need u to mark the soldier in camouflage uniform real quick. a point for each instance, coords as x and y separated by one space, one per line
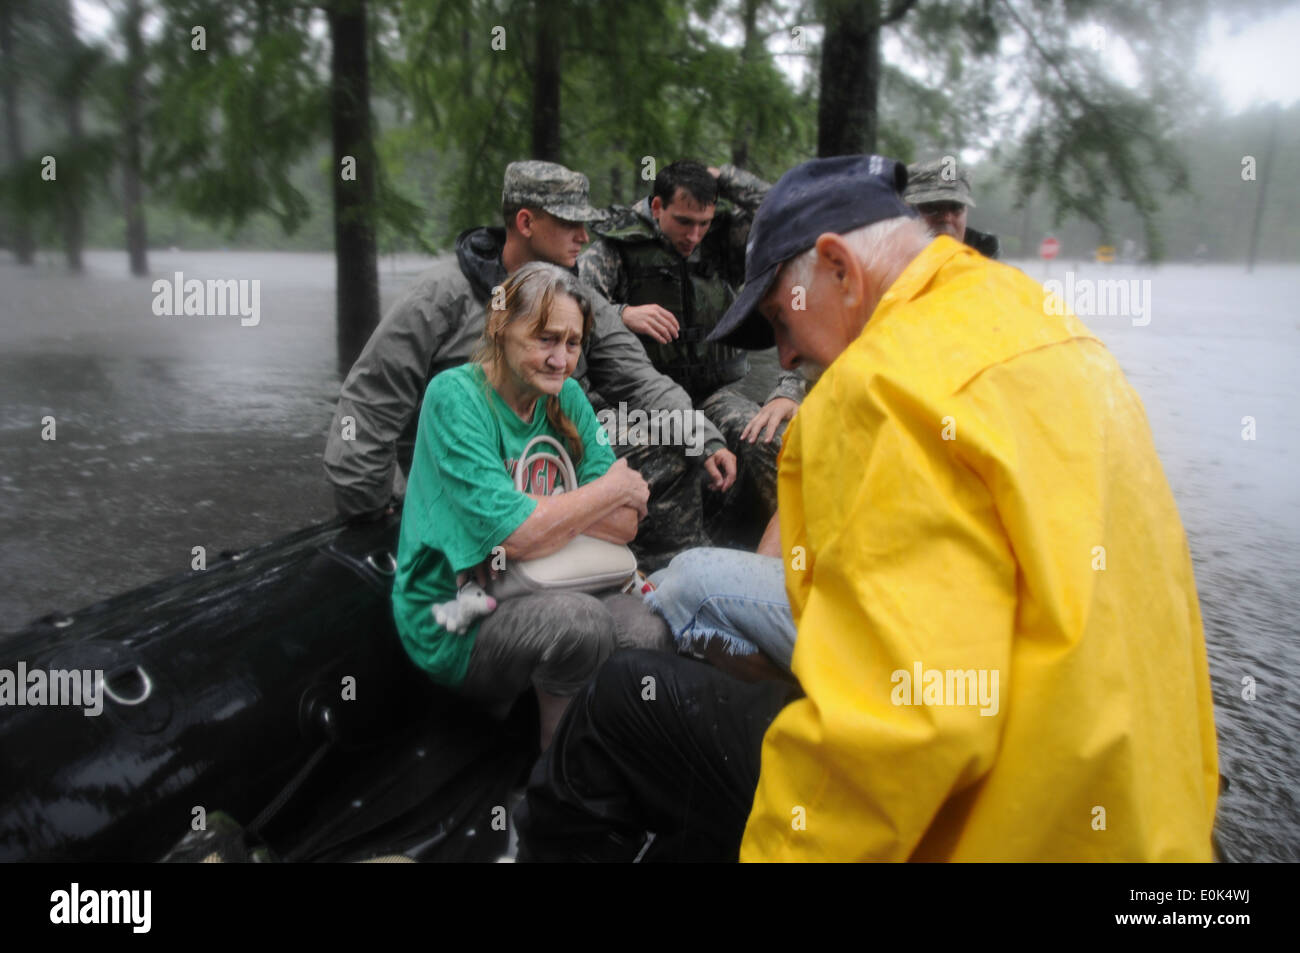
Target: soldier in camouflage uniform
439 321
940 191
671 263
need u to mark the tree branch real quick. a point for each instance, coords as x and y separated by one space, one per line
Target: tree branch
897 11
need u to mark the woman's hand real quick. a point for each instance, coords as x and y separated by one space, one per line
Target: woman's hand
484 574
630 485
612 504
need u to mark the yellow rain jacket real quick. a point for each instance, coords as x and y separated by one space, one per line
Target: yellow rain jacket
998 629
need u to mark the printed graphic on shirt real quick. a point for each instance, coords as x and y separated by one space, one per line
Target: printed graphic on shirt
543 475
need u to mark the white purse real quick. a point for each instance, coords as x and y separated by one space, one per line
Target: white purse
586 564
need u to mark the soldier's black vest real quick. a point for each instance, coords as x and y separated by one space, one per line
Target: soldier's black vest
697 294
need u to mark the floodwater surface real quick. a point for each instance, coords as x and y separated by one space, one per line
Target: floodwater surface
177 432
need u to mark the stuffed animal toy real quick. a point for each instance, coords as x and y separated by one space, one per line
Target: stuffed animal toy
458 615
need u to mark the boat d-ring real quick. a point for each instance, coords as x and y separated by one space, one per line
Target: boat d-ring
144 693
385 564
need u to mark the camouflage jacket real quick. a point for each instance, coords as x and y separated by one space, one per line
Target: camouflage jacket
986 243
602 265
438 323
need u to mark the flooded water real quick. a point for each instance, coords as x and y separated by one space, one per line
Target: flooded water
176 432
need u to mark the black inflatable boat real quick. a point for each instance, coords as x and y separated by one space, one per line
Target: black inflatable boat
266 696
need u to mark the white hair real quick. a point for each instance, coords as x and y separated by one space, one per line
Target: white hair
870 244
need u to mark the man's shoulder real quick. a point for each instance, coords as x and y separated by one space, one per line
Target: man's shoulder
600 266
442 277
971 314
624 223
601 250
441 289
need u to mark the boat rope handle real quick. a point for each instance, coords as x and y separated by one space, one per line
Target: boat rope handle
144 694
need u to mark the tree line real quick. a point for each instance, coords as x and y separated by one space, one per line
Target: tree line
409 110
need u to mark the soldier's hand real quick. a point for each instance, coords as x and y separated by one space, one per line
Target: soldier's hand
722 470
652 321
769 417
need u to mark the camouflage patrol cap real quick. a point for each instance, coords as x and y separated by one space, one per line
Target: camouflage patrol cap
549 187
939 180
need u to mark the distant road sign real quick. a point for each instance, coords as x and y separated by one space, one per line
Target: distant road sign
1049 248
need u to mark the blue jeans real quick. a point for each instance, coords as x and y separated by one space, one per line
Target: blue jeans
731 595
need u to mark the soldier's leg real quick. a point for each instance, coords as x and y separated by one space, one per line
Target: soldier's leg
676 510
739 516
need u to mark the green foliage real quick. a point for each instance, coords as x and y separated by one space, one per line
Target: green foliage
647 79
228 123
238 135
50 67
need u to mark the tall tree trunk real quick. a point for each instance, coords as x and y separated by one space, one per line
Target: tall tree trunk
1265 167
72 178
20 225
356 264
616 184
132 148
546 82
850 78
748 53
1026 233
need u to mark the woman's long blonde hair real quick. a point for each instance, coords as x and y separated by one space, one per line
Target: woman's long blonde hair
528 295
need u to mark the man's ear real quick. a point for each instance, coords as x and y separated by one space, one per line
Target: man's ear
656 205
834 253
524 222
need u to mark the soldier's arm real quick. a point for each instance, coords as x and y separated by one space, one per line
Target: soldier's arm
619 369
743 189
791 385
377 400
601 267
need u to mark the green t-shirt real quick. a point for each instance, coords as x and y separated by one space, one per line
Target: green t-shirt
461 501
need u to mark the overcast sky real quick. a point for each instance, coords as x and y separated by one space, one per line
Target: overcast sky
1260 63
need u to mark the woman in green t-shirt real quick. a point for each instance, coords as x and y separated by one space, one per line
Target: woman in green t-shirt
461 504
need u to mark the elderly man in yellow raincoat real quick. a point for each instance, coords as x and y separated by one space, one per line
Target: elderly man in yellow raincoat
998 635
998 628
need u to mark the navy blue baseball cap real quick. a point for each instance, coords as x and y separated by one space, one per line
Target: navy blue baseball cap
822 195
